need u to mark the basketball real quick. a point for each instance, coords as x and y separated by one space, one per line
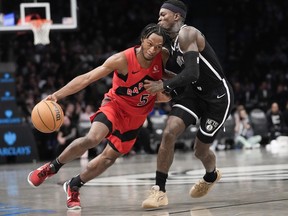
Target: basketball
47 116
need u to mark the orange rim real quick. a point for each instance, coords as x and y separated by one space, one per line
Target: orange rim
39 22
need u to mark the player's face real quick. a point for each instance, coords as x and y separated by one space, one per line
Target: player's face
166 19
151 46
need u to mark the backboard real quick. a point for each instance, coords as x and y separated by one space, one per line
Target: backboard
15 14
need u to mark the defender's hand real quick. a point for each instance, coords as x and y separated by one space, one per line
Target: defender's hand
163 97
153 86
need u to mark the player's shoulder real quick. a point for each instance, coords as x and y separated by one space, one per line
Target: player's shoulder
165 54
118 56
165 51
188 30
189 33
117 59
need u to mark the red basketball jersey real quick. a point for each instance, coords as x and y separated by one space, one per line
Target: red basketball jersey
129 90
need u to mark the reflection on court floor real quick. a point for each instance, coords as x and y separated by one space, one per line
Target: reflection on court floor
254 183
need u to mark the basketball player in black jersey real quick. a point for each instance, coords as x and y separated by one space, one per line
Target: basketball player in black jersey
207 99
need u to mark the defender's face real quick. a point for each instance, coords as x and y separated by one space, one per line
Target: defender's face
151 46
166 19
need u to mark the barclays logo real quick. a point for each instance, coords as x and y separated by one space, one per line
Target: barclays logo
10 138
8 113
8 118
7 78
12 148
7 96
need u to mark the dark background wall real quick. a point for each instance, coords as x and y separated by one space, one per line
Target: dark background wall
248 35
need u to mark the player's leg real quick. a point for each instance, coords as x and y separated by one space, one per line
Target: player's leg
173 129
157 198
119 143
210 124
93 169
78 147
215 112
180 118
99 164
203 152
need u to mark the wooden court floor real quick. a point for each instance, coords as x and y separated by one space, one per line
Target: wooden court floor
254 183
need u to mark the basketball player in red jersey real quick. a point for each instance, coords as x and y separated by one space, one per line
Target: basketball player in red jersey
121 115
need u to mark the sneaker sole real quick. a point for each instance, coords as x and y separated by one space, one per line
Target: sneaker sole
154 207
28 179
65 187
74 207
151 207
217 180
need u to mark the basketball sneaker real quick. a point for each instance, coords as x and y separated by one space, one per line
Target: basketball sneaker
201 188
38 176
156 198
73 196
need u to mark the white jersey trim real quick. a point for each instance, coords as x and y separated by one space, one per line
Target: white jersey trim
210 66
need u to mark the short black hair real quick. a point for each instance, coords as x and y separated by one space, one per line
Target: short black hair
154 28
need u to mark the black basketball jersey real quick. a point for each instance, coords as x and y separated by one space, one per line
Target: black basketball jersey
211 72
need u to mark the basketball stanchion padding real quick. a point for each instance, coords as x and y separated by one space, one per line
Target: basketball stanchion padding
47 116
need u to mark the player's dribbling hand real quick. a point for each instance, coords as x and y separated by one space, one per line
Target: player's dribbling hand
51 97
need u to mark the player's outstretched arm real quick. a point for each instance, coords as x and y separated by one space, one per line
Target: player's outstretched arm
80 82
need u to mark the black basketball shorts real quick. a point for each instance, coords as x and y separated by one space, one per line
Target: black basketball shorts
210 110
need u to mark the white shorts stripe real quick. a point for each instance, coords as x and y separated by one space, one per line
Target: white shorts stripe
187 110
225 115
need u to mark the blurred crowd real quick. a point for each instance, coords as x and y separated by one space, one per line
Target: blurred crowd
257 46
250 37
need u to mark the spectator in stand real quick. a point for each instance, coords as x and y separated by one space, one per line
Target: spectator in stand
276 121
285 116
263 95
84 116
244 133
280 95
239 93
66 134
72 112
84 122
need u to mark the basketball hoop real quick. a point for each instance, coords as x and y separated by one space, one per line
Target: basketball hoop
41 30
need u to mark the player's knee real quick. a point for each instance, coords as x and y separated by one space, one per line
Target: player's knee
91 141
107 161
169 135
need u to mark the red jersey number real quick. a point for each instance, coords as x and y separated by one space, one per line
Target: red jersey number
143 100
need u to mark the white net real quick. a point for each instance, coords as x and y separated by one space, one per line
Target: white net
41 30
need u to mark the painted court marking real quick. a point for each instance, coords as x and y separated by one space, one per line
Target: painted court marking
10 210
229 174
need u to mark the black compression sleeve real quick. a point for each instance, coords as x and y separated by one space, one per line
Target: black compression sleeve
188 75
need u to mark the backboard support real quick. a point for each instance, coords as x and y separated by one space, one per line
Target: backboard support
47 10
